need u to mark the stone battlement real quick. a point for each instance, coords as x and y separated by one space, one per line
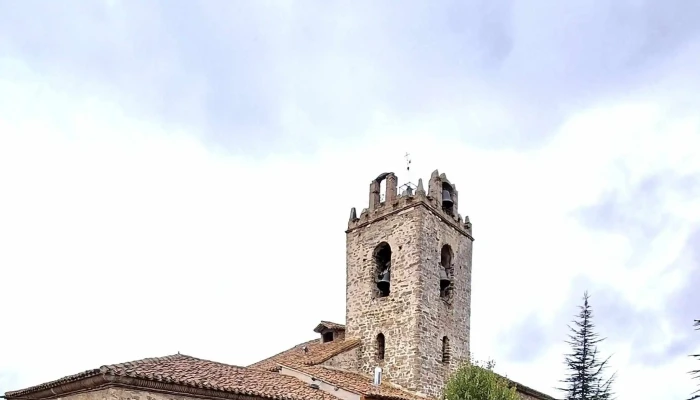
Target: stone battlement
438 188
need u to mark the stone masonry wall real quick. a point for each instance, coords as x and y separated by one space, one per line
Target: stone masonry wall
439 318
394 316
346 360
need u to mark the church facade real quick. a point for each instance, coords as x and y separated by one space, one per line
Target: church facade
408 306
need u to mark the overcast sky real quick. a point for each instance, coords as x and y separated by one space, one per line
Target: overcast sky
178 175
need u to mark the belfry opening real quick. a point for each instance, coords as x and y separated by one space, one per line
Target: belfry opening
382 259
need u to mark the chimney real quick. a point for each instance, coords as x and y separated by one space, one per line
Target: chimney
377 376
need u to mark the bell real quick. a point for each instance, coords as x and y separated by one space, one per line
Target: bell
446 199
444 280
383 280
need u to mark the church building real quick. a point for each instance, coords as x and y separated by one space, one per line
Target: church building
408 307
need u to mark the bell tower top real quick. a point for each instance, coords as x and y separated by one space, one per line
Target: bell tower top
408 292
441 198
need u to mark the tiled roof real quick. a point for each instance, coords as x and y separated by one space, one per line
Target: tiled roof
58 382
316 353
329 325
202 374
213 379
358 383
271 363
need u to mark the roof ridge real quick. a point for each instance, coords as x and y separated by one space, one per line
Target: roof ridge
308 342
331 322
139 361
344 346
230 365
334 326
170 357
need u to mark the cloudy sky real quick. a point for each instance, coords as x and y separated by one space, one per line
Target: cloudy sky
177 175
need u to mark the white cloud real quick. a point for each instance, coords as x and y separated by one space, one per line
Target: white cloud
124 238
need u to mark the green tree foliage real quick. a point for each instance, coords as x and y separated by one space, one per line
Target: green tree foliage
696 373
585 379
477 381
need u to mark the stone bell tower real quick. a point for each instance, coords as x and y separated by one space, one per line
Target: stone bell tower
409 260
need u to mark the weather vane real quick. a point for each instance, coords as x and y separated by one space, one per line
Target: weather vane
408 187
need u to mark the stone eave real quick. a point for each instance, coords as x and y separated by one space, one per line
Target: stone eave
531 392
103 381
68 384
327 325
413 204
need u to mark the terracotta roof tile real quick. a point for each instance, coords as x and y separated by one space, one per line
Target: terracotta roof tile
315 353
359 383
54 383
197 373
271 364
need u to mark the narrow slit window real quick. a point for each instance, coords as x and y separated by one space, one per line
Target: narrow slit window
381 346
446 271
445 350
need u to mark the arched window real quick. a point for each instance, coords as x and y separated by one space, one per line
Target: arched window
445 350
382 260
382 190
381 346
446 271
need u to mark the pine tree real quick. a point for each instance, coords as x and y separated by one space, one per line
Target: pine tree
585 380
696 373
